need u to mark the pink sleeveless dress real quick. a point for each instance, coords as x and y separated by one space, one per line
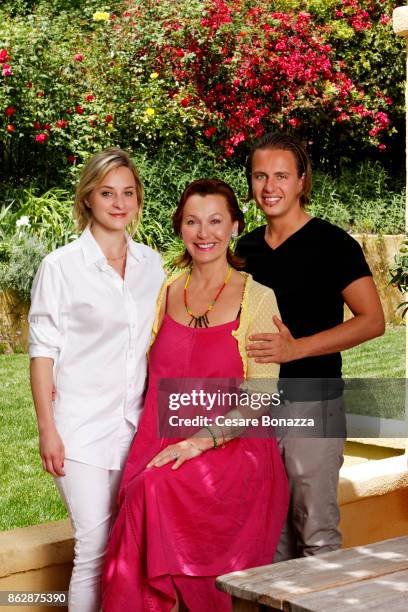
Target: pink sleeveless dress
222 511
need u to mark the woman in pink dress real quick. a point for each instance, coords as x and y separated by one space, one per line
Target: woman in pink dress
193 508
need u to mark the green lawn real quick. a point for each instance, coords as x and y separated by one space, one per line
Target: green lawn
382 360
28 495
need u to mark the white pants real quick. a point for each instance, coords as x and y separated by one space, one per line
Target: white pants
89 494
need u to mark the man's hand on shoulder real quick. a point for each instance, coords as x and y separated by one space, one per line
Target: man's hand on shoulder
274 348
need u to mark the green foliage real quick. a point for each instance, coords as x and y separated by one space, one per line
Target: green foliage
364 199
24 255
151 75
399 274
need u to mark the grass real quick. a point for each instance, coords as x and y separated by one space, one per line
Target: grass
382 361
28 495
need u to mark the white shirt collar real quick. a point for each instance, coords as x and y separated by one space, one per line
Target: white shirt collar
93 252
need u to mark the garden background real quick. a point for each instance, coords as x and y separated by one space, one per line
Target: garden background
185 86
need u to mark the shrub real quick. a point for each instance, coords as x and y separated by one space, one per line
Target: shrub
24 254
194 75
399 274
365 199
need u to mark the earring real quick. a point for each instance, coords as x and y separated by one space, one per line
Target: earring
234 235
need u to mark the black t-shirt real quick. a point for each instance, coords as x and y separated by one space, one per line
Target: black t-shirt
307 272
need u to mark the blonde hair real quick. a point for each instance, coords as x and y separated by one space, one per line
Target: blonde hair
93 173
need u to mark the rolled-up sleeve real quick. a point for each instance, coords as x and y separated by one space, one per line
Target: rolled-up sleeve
46 312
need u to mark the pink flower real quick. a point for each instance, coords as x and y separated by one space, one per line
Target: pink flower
79 110
7 71
280 46
3 56
62 124
41 137
10 110
382 119
384 20
90 97
339 13
79 57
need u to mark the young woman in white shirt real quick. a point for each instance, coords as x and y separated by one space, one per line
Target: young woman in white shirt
92 309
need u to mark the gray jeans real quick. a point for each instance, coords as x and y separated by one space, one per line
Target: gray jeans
312 465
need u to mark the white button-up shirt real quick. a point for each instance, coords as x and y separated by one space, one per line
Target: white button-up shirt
96 327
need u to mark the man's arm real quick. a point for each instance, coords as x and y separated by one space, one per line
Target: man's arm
361 297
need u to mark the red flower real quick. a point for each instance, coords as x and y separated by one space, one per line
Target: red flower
382 147
69 111
41 137
79 110
10 128
180 53
3 56
78 57
90 97
184 102
9 111
71 159
29 84
62 124
294 122
47 127
210 131
384 20
40 94
7 71
108 118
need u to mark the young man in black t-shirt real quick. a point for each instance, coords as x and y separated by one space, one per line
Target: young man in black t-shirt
314 268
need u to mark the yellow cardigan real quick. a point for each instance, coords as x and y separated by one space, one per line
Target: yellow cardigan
258 306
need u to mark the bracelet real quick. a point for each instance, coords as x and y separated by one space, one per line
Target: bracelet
213 436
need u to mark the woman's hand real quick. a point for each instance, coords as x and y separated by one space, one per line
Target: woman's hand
52 452
179 453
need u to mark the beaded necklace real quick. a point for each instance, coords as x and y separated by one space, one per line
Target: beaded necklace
202 319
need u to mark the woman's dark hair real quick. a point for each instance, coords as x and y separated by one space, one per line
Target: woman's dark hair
204 187
283 142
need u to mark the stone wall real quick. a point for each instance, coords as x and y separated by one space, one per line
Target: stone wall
13 323
380 253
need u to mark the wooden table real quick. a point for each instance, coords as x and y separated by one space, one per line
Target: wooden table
372 577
